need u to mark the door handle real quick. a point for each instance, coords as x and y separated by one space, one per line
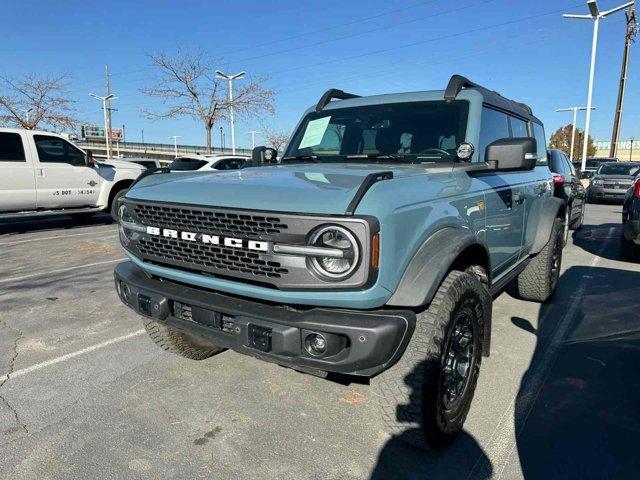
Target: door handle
41 172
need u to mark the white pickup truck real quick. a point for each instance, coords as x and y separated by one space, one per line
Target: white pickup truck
42 173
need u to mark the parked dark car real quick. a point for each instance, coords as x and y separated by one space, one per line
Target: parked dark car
568 188
612 180
630 238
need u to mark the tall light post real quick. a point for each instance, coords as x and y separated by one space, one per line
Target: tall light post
573 129
595 15
231 78
253 134
27 111
104 110
175 143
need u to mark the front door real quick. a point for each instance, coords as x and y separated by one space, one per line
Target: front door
505 206
504 196
62 178
17 180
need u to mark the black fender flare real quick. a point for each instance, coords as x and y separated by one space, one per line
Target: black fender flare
430 264
548 212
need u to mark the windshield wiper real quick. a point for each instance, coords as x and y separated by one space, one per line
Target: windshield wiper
302 158
377 156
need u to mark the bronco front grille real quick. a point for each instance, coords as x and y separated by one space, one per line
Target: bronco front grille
207 257
207 221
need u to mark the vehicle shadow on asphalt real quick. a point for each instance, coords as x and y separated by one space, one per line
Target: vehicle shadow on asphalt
58 222
398 460
590 240
580 419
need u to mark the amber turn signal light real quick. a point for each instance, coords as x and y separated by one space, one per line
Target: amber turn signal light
375 251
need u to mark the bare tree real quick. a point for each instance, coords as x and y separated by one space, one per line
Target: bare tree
187 85
35 101
275 138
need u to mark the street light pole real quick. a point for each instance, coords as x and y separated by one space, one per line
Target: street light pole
231 78
221 141
27 111
573 129
595 15
175 143
253 134
104 110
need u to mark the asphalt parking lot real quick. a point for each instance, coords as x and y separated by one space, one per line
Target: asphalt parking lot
85 394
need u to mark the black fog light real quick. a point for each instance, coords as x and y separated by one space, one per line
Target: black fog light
323 344
315 344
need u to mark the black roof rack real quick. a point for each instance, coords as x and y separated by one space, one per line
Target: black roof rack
455 85
330 95
458 82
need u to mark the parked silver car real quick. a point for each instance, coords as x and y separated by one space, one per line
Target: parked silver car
612 180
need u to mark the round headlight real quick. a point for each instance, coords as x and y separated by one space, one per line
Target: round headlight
344 244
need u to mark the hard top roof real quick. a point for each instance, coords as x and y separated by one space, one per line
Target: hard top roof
458 87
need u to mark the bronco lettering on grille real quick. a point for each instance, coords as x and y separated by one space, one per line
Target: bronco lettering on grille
255 245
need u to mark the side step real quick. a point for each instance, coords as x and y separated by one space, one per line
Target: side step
48 213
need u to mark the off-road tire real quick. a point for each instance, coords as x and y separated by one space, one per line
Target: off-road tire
180 343
113 209
410 393
539 279
629 251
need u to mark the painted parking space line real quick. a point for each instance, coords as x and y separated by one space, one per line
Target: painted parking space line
69 356
60 270
102 233
504 438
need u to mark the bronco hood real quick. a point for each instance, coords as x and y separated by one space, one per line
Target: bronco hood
305 188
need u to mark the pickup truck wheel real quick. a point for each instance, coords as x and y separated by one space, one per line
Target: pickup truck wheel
180 343
577 225
539 279
114 204
425 397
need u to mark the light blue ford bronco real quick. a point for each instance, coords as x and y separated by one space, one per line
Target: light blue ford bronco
372 248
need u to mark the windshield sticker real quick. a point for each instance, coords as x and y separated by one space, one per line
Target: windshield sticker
314 132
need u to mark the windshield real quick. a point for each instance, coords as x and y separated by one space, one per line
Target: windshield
417 132
186 164
618 169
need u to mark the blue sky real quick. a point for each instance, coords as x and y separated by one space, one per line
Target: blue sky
304 48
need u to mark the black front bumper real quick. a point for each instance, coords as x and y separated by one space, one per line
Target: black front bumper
360 343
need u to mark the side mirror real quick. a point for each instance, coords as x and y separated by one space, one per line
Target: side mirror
261 155
90 161
512 154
